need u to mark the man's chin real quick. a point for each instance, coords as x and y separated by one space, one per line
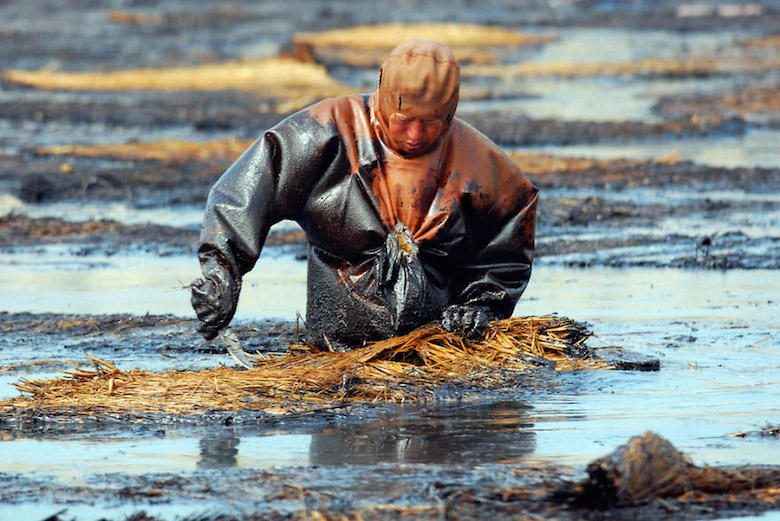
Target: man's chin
414 150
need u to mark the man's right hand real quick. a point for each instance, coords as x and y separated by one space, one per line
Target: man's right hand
214 304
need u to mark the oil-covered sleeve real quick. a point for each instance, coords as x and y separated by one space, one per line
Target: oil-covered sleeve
268 183
499 270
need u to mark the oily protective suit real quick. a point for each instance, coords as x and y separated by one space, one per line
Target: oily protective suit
395 242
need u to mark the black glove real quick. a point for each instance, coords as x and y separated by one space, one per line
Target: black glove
214 300
467 321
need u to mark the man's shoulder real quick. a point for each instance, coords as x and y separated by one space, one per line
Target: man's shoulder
323 119
333 109
486 170
465 131
467 139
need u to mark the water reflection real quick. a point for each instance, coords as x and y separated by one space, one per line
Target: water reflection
470 434
219 451
457 434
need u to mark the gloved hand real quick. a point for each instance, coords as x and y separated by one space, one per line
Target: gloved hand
214 301
467 321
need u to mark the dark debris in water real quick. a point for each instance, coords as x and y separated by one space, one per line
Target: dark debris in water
522 131
645 479
19 231
572 218
663 175
627 361
759 105
142 335
771 431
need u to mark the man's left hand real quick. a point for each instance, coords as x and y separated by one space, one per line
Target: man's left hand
467 321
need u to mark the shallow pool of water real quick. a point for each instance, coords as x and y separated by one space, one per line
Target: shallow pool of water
603 98
616 45
716 334
188 217
52 280
598 98
757 148
71 460
100 511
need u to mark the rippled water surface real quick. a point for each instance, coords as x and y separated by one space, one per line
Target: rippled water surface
716 334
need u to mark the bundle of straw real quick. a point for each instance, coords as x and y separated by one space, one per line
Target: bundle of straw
399 369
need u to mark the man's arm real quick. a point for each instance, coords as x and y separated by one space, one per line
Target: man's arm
239 213
493 281
268 183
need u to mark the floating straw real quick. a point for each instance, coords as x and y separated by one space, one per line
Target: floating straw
398 370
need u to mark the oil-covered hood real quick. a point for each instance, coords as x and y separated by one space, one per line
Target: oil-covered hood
420 78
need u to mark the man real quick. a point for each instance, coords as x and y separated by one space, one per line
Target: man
412 215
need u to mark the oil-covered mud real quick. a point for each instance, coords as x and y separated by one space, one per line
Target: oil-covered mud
651 129
430 492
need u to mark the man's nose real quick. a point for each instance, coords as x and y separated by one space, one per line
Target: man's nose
416 130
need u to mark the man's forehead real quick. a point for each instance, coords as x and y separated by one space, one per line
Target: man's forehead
424 114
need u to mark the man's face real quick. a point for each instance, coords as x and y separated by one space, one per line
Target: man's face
413 135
